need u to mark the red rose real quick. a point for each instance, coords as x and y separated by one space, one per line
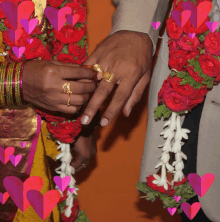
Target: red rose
34 50
186 43
193 103
8 24
172 46
77 51
199 93
81 11
57 47
46 54
50 118
199 1
210 65
194 74
177 6
164 87
37 30
212 43
184 90
217 79
65 132
69 34
174 101
193 54
178 59
189 28
173 30
74 214
55 3
62 57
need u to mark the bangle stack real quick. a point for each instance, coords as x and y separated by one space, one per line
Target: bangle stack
11 85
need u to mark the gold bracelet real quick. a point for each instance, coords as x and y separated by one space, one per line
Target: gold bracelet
3 71
17 85
9 95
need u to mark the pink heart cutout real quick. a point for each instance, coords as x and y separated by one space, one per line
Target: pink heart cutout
57 17
71 190
4 197
15 13
23 144
62 183
29 26
4 154
189 210
18 51
156 25
43 204
212 26
198 13
15 159
201 185
72 20
171 210
30 41
14 35
18 190
192 35
181 18
177 198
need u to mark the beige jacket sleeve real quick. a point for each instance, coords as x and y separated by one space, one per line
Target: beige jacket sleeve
137 15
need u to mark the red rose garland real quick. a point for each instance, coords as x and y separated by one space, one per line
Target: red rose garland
194 60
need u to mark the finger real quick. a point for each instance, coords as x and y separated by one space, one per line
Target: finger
136 94
64 64
75 99
120 97
80 87
68 109
99 96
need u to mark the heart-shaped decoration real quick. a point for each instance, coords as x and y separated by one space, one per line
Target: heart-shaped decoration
198 13
71 190
4 154
192 35
15 13
72 19
189 210
4 197
43 204
212 26
62 183
23 144
30 41
171 210
181 18
177 198
18 51
18 190
156 25
14 35
29 26
15 159
201 185
56 17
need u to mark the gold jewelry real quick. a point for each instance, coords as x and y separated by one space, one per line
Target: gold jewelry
68 102
3 71
66 88
106 75
17 84
9 95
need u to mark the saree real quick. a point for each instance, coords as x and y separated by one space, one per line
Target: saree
24 130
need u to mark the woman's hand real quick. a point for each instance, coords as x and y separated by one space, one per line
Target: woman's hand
43 80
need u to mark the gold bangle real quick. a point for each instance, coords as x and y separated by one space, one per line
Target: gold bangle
17 85
9 96
3 70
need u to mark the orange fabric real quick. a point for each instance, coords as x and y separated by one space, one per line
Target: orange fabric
107 188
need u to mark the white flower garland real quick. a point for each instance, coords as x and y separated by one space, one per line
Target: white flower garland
66 170
173 131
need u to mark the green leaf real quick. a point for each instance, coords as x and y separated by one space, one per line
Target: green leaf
79 25
54 123
61 206
82 217
2 27
81 43
62 5
65 49
162 110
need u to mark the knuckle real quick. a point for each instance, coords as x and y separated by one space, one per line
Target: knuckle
102 90
82 100
91 107
120 97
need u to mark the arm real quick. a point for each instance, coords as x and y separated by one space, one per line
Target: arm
137 16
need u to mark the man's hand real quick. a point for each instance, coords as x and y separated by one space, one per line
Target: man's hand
128 55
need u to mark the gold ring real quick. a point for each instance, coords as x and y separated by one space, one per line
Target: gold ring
66 88
68 102
106 75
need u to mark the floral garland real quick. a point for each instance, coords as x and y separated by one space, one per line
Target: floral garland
194 60
68 45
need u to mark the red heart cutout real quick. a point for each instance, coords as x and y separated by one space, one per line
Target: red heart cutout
18 190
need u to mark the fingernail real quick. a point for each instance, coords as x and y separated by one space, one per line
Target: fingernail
129 112
85 120
104 122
